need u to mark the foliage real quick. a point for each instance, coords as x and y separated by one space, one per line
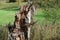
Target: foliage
46 3
51 14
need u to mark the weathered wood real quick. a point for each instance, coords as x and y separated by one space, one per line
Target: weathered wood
21 28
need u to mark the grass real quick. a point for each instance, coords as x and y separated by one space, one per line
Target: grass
7 12
40 31
6 16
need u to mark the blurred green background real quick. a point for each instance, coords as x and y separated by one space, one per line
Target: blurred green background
47 13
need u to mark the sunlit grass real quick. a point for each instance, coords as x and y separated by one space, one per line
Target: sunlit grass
6 16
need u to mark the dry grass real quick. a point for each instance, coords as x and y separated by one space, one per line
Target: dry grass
46 32
3 32
39 32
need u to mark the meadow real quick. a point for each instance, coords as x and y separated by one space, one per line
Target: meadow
42 30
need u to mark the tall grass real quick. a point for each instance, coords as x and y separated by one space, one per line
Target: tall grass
46 32
38 32
3 33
